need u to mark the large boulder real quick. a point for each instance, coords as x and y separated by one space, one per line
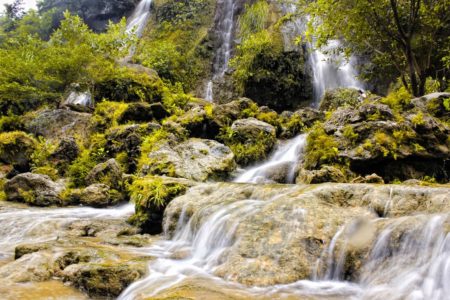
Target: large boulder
143 112
198 123
325 174
288 228
195 159
252 128
99 195
79 101
340 97
59 123
108 173
34 189
16 149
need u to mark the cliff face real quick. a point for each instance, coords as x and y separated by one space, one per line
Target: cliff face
96 13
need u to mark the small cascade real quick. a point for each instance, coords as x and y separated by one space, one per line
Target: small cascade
286 156
203 241
224 21
330 69
33 225
139 18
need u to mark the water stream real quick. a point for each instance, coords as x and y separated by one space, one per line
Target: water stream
330 69
224 21
139 18
20 225
285 159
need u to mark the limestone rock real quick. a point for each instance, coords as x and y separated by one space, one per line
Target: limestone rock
59 123
195 159
34 189
108 173
100 195
252 128
325 174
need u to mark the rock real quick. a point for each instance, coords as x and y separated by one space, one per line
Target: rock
340 97
108 173
22 250
289 227
252 128
374 178
60 123
195 159
79 101
107 279
16 149
151 195
143 112
66 152
309 115
226 114
199 124
100 195
434 104
34 189
96 14
279 80
325 174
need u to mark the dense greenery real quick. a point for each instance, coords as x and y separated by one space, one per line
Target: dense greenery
409 39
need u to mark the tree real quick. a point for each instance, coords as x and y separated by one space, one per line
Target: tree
15 10
409 35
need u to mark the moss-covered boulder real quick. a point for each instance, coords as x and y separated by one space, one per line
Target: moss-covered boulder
98 195
34 189
151 195
340 97
199 122
59 123
249 139
325 174
108 173
16 149
194 159
143 112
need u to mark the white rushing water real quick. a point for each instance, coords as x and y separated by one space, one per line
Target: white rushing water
285 159
139 18
33 225
224 21
330 69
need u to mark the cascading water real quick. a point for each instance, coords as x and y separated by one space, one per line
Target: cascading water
330 69
139 18
287 156
224 21
33 225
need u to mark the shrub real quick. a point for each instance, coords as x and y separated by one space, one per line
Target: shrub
320 148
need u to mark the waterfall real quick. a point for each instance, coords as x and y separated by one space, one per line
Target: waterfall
330 69
139 18
33 225
286 156
224 21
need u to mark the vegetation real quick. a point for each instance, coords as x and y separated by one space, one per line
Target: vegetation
401 38
321 148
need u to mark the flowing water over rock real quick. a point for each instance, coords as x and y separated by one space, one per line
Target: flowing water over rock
224 21
329 68
139 18
323 242
280 167
20 224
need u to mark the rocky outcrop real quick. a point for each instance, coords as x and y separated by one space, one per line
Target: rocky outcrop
340 97
108 173
59 123
95 13
283 230
378 137
195 159
34 189
143 112
98 195
252 129
16 149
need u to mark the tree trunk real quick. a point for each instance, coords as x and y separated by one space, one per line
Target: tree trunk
412 72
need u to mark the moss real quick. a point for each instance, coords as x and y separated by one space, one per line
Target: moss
293 125
152 143
417 119
88 158
321 148
107 114
16 147
338 98
11 123
398 100
150 196
350 135
47 170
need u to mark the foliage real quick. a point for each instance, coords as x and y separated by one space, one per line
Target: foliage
34 71
398 100
407 36
254 19
16 143
321 148
107 114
